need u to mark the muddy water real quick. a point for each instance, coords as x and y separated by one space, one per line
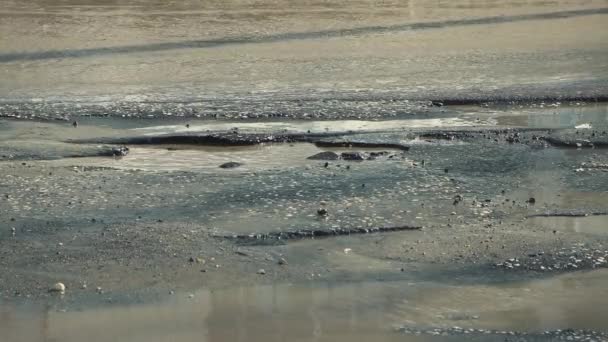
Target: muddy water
179 51
193 158
339 312
552 115
464 120
587 225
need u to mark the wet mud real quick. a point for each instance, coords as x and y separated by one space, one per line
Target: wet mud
344 171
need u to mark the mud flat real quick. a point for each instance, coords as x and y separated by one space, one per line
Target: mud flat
457 229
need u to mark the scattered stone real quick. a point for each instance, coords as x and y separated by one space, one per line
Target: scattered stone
322 212
328 155
58 287
261 271
282 261
353 156
120 151
531 200
75 123
230 165
99 289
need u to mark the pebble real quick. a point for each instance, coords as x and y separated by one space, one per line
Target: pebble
261 271
282 261
58 287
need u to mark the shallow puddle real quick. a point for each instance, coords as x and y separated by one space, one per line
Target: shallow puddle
350 312
316 126
587 224
209 158
549 116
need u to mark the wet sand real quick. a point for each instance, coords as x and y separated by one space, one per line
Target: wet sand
149 230
480 122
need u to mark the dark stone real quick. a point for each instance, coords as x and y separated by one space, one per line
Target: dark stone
353 156
531 200
120 151
325 156
75 124
322 212
230 165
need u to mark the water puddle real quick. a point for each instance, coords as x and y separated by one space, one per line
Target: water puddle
589 116
315 126
209 158
587 224
349 312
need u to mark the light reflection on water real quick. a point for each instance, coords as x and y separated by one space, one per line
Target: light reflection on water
350 312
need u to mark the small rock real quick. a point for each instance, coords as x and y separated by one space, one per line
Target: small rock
282 261
99 289
120 151
261 271
353 156
230 165
58 287
322 212
531 200
75 123
328 155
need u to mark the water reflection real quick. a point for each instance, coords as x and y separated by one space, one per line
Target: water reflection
351 312
594 115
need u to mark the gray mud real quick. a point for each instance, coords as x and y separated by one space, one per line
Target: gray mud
155 162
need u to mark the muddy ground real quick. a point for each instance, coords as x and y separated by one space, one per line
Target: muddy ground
494 204
156 161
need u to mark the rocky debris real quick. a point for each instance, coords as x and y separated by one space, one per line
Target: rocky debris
227 138
282 261
350 155
505 335
230 165
570 213
570 138
361 144
329 106
592 166
328 155
314 233
261 271
574 258
374 155
75 123
353 156
531 200
322 212
57 287
120 151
